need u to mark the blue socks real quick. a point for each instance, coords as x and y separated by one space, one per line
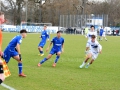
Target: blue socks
20 67
43 60
57 57
41 52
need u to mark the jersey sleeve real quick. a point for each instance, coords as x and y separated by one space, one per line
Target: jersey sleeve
88 44
47 34
19 41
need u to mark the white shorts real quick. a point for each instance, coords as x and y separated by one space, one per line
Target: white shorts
94 54
103 35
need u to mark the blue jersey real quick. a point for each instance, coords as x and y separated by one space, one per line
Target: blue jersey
57 43
101 31
16 40
10 50
44 36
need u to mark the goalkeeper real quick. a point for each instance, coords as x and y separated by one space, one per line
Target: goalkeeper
13 50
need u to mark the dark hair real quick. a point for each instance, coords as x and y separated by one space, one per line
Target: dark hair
23 31
92 26
58 31
93 36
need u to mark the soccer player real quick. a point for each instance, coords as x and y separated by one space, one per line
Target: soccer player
86 31
44 36
104 35
101 33
13 50
2 20
58 45
91 32
93 48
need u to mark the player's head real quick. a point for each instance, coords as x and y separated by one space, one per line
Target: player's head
92 27
23 32
58 34
45 27
93 38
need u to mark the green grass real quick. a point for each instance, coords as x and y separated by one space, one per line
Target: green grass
103 74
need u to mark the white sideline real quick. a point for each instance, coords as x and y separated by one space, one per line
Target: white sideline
6 86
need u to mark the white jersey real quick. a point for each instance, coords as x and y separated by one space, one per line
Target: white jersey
103 33
90 33
95 47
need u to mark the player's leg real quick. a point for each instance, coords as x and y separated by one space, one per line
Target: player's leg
89 55
105 37
45 59
17 57
40 48
2 78
57 58
99 37
94 56
48 57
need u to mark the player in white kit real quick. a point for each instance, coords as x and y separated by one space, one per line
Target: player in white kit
104 35
91 32
93 48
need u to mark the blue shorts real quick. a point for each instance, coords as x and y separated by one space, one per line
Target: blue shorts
42 44
54 51
8 53
100 34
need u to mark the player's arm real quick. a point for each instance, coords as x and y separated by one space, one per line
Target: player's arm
48 36
40 36
18 48
49 46
100 48
87 47
63 46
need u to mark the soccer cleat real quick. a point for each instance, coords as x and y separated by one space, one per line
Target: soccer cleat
86 66
81 66
54 64
39 64
42 55
22 75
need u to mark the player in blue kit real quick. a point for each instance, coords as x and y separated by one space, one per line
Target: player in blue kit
101 33
58 45
44 36
13 50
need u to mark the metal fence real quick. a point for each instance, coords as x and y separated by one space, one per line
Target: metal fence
83 20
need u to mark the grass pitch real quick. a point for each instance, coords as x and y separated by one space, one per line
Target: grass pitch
103 74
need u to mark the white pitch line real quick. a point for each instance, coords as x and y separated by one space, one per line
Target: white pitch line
6 86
